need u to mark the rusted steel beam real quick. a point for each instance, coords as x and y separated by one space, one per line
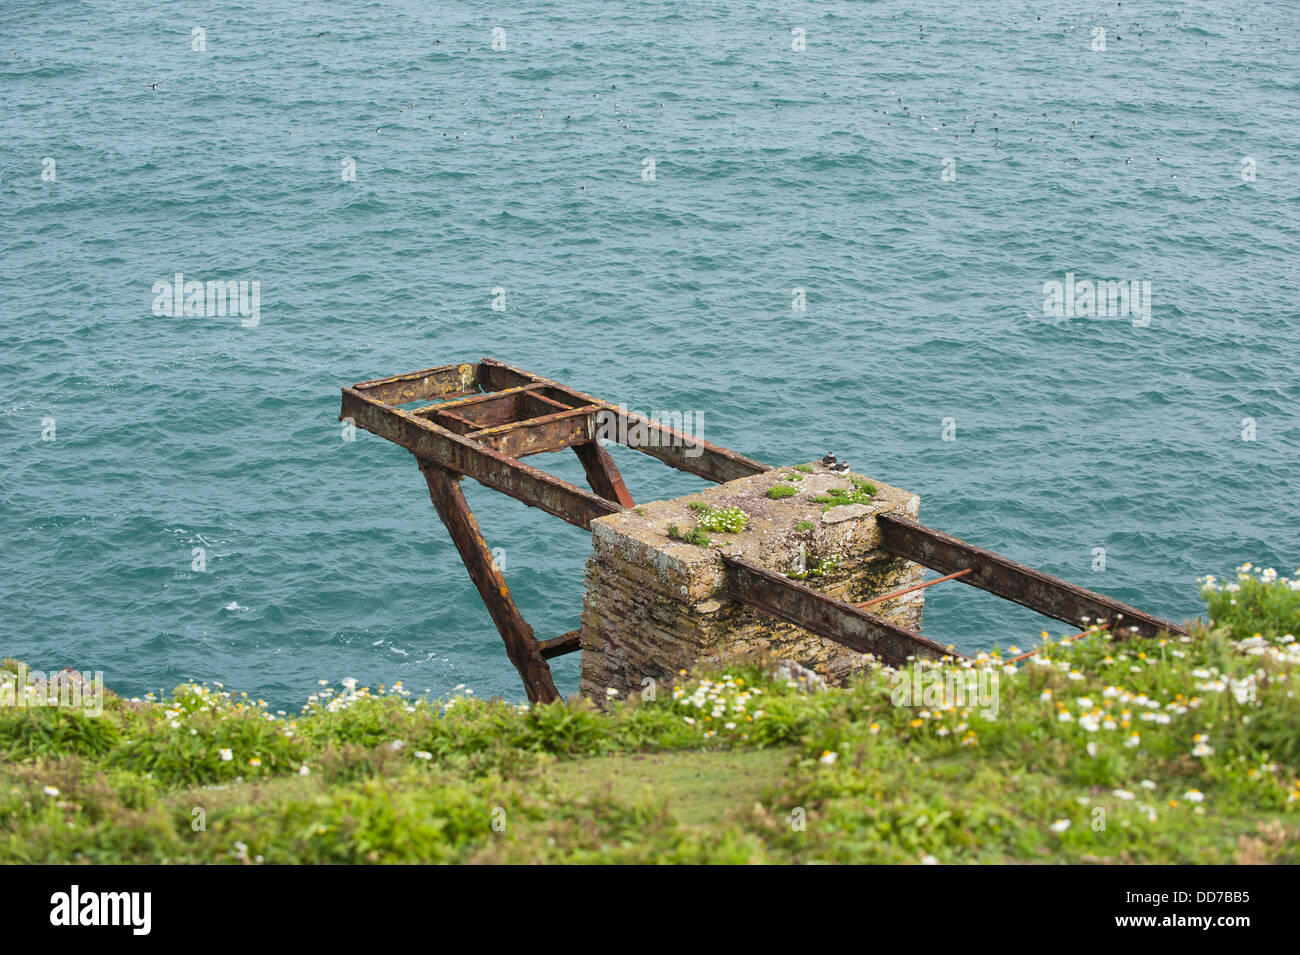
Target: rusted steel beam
459 398
429 409
428 441
486 396
825 616
553 432
1030 588
449 420
539 404
688 452
704 459
564 643
486 410
419 385
498 375
521 646
907 590
603 474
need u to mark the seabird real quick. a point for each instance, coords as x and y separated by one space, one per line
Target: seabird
829 460
840 468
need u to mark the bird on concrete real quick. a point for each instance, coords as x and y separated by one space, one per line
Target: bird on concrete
840 468
829 460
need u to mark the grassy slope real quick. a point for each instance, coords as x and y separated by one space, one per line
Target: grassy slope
843 776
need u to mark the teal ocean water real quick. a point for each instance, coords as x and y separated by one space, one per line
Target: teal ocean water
919 170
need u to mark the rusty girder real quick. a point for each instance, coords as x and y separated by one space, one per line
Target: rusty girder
1030 588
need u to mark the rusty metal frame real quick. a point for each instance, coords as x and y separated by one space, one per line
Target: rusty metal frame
479 419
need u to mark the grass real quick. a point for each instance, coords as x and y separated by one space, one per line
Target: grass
693 784
1176 749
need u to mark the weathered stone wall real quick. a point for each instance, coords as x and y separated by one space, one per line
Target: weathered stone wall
654 606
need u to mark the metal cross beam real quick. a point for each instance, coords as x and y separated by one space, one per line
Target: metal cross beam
826 616
1030 588
678 450
430 441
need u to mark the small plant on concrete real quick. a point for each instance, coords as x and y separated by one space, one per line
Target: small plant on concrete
819 569
696 537
861 492
779 491
804 526
727 520
723 520
805 468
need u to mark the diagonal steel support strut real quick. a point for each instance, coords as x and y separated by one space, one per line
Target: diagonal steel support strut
521 646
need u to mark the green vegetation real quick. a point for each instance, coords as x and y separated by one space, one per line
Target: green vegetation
778 491
805 468
819 568
695 536
726 520
1177 749
861 492
1257 600
719 520
804 526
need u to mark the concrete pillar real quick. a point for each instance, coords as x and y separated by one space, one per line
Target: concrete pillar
654 605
